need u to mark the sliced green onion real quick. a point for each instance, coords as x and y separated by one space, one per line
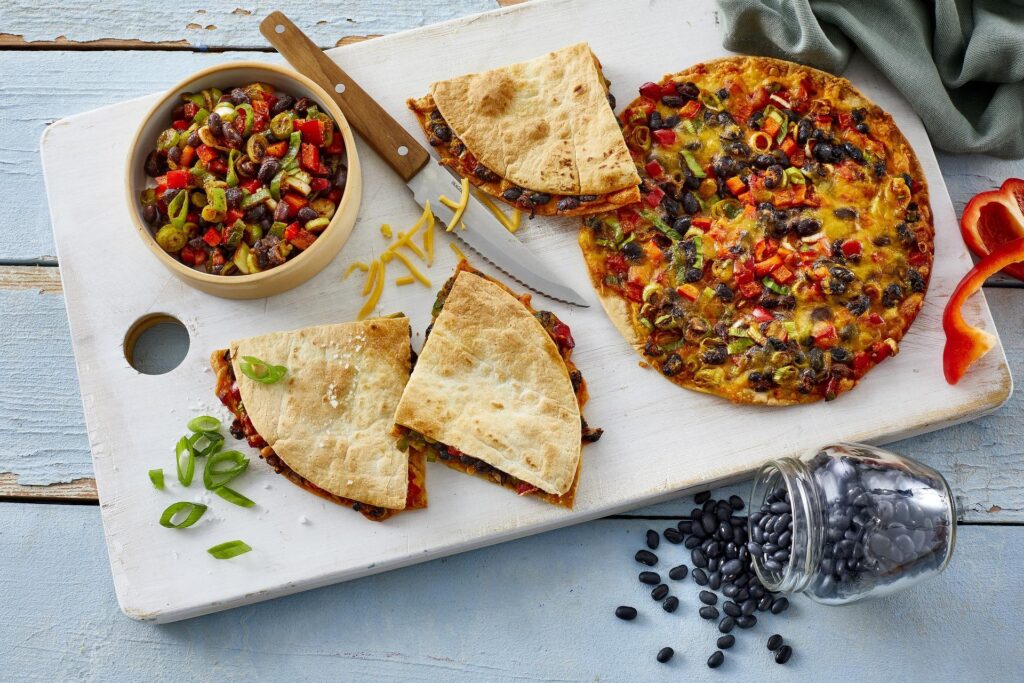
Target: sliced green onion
201 115
294 142
186 471
167 139
232 176
277 229
225 551
177 210
794 176
275 185
785 374
261 371
661 225
157 477
769 282
692 164
739 345
216 474
258 197
206 443
195 511
203 423
232 496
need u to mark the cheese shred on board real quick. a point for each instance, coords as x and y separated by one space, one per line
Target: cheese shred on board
358 265
405 280
458 208
458 252
511 224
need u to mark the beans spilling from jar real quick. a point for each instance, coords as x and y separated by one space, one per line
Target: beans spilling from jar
716 537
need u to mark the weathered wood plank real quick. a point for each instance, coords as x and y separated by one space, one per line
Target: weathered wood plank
534 609
216 24
38 87
42 435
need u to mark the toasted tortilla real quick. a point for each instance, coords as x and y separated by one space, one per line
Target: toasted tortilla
491 383
544 124
330 418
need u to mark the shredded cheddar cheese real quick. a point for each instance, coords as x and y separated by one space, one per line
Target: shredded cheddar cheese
408 264
378 287
385 230
458 252
405 280
374 267
457 208
428 236
511 224
358 265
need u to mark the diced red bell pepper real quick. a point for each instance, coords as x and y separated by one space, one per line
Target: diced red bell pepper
654 169
765 248
180 124
688 291
251 185
861 362
217 166
879 351
651 91
178 179
875 319
668 88
260 123
319 184
993 218
851 248
628 219
783 275
299 236
761 315
762 268
702 222
310 157
617 264
312 131
824 334
965 344
277 150
750 290
262 105
655 196
771 127
190 110
335 194
789 146
232 216
563 336
206 153
191 256
212 237
295 201
690 109
337 145
524 489
635 291
743 272
664 137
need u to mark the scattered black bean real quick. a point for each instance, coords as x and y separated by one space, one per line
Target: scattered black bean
652 539
678 573
774 642
716 659
708 612
672 534
671 604
665 654
708 598
725 642
780 605
650 578
700 577
783 655
727 624
746 621
646 557
660 592
625 612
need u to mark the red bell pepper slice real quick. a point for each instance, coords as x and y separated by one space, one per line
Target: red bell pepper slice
206 153
966 344
690 109
299 236
188 155
310 157
851 248
295 201
335 195
191 256
616 264
179 124
736 185
761 315
190 110
212 237
319 184
750 290
278 149
654 169
233 215
177 180
824 334
312 131
688 292
651 91
655 196
664 138
635 291
993 218
217 166
762 268
251 185
337 145
563 336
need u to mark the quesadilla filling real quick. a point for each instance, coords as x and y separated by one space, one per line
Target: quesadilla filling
242 428
452 457
456 156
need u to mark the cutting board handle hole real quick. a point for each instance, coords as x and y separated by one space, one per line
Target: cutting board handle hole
156 343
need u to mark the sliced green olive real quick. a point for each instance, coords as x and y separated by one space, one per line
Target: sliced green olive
198 199
324 208
167 139
318 224
281 125
257 147
171 238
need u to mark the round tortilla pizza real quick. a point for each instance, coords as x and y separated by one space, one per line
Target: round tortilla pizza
783 242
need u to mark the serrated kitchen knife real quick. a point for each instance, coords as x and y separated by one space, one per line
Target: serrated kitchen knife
427 180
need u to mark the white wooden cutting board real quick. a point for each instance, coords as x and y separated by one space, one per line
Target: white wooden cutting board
659 439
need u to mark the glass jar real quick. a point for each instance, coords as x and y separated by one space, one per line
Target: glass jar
848 522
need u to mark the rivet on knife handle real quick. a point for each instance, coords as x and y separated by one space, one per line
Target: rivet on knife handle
388 139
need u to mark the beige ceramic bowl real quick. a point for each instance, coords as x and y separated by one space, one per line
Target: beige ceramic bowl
298 269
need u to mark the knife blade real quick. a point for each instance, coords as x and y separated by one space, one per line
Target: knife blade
485 235
411 161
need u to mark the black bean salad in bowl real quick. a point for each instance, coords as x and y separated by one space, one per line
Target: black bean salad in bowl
243 180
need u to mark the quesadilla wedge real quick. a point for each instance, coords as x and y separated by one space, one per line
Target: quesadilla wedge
494 392
327 424
540 135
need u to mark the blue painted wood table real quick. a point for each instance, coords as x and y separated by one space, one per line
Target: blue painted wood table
539 608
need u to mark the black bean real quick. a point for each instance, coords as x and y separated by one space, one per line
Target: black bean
672 101
625 612
671 604
727 624
774 642
698 558
716 659
783 655
708 612
340 177
764 604
652 539
749 606
268 169
233 138
732 567
307 214
284 103
690 203
715 581
732 609
650 578
538 198
678 573
301 106
780 605
692 541
568 203
779 508
736 502
725 642
700 577
672 534
215 124
684 526
746 621
665 654
646 557
709 522
708 598
238 96
803 131
660 592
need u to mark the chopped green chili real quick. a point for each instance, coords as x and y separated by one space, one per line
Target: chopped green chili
225 551
157 477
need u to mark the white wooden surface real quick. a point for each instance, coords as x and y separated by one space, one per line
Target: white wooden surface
132 417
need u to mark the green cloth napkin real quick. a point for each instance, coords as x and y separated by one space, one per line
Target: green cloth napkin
959 63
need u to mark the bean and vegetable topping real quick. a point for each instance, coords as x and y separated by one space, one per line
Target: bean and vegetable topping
244 180
784 241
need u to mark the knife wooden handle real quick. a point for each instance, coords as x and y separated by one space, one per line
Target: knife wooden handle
388 139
